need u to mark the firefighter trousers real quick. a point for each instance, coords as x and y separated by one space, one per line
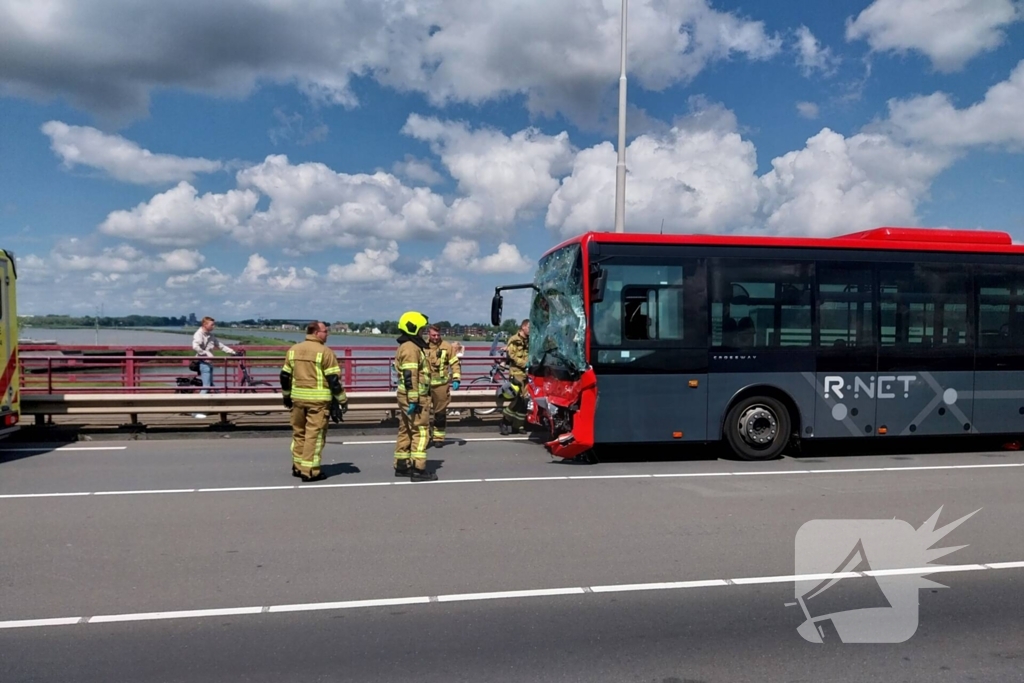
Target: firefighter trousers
514 410
413 432
440 397
309 434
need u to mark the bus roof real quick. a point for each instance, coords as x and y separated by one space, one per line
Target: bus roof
888 238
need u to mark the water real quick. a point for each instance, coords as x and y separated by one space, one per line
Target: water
155 337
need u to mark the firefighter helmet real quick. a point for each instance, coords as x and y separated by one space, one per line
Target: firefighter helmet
412 322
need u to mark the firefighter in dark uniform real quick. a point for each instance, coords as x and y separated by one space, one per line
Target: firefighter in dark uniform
445 375
311 384
413 399
513 416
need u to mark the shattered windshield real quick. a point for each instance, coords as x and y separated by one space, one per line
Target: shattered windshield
557 322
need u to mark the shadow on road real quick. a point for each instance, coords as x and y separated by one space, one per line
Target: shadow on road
809 451
338 468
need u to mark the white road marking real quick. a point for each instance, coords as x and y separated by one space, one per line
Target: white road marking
492 480
452 441
502 595
499 595
62 449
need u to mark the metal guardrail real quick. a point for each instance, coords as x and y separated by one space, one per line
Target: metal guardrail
136 404
48 369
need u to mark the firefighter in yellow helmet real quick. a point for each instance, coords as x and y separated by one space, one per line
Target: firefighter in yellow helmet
445 375
413 399
311 384
513 417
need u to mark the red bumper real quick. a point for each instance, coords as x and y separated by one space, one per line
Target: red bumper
563 395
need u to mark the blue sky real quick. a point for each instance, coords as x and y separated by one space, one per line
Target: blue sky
352 160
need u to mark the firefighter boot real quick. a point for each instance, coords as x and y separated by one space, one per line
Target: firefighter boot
421 474
505 428
403 467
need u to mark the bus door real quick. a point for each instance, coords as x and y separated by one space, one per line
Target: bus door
8 340
847 353
999 365
649 349
925 380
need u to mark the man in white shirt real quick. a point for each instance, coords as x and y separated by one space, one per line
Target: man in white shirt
203 343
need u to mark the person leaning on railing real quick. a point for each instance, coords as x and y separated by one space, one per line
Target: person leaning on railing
204 341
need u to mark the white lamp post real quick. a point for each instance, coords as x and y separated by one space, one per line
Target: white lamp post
620 166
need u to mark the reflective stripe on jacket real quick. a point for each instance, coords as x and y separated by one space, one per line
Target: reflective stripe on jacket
445 366
309 363
413 371
518 351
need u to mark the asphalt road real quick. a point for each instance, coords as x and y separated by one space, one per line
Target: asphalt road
366 577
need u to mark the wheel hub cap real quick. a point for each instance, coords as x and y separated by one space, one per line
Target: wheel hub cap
758 425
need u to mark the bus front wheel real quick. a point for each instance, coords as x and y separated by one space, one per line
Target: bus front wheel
758 428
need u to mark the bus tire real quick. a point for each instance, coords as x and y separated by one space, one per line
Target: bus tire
758 428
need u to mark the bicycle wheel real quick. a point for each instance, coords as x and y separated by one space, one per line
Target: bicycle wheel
482 383
255 388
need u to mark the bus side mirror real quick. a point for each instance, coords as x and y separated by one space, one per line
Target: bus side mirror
496 304
598 280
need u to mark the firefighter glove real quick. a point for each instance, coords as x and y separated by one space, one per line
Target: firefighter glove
336 414
287 401
455 385
412 409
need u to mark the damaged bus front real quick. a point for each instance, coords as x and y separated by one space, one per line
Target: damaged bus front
563 387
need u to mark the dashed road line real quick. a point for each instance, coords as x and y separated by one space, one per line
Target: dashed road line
499 595
496 480
61 449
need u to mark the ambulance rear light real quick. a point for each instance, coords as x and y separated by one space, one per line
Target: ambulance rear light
10 419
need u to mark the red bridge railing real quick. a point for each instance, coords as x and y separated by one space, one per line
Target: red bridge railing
50 369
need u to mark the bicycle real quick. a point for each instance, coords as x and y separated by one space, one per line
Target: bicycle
494 377
248 384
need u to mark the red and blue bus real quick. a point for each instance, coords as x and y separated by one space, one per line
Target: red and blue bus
760 341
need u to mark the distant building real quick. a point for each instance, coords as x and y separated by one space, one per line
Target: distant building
288 326
340 327
375 330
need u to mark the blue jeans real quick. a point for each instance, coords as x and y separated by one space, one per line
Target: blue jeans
206 372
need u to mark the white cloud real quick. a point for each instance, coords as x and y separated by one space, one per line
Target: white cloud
315 207
996 120
76 255
808 110
949 32
108 55
418 171
463 255
209 279
122 159
811 56
180 260
258 274
180 218
292 128
699 177
499 176
370 265
257 267
837 184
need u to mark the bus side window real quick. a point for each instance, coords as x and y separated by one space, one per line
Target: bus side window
1000 307
923 306
635 307
652 312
